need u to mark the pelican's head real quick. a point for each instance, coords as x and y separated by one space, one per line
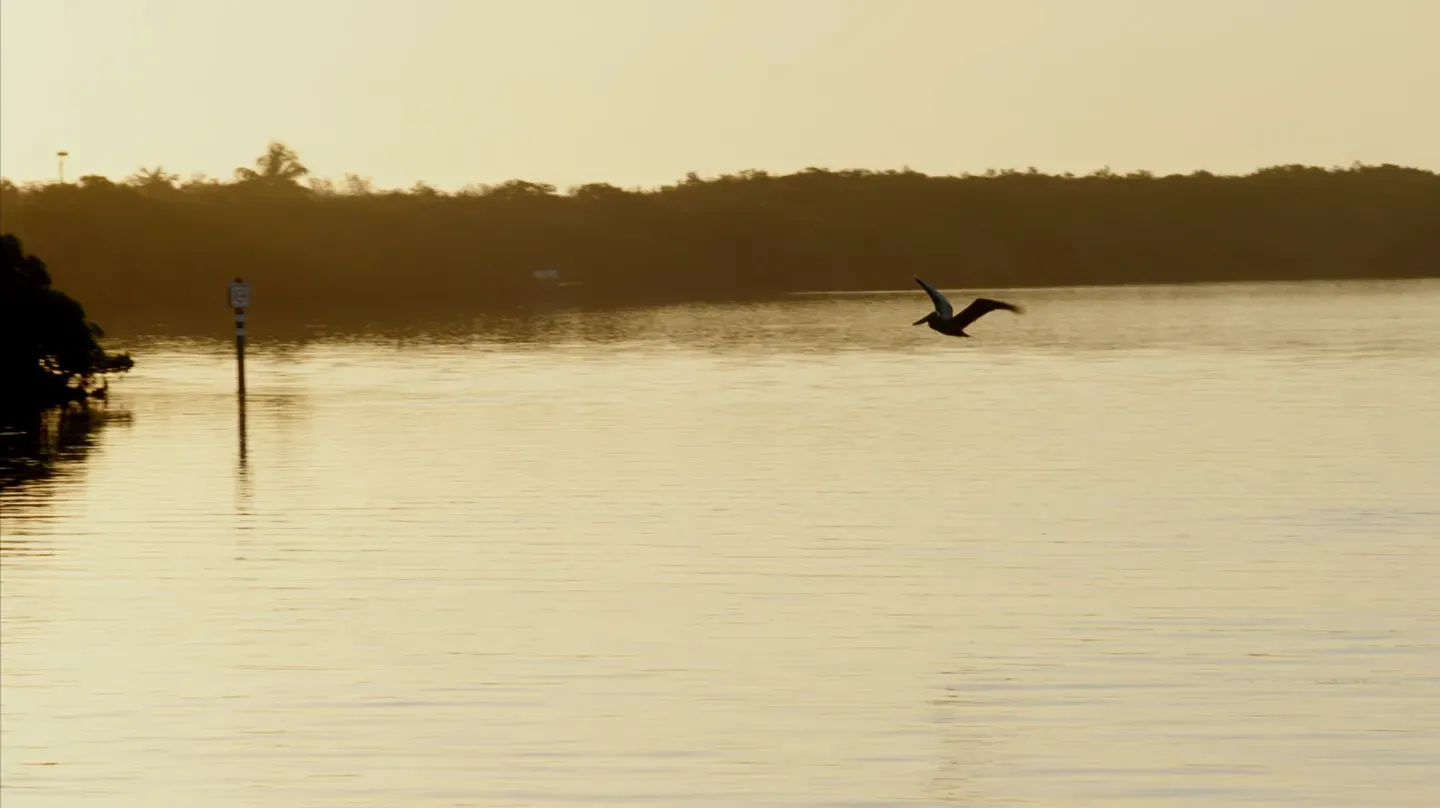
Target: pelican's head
929 318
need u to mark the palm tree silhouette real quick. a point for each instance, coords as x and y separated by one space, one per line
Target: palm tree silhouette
279 165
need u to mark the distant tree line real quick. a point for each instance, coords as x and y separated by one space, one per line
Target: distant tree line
156 247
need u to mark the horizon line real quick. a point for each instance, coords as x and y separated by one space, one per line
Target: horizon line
201 178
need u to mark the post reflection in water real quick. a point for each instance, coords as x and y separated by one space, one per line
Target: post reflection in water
242 428
242 470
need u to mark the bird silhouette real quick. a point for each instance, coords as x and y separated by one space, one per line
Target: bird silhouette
946 321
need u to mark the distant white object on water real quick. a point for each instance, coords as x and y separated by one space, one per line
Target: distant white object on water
547 274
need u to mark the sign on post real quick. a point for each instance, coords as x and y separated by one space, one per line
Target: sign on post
239 294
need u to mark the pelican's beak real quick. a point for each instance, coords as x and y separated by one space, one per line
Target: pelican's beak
921 320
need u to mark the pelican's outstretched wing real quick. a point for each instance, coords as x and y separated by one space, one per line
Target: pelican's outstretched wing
981 307
942 306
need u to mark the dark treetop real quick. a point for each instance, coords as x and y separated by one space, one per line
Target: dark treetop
49 351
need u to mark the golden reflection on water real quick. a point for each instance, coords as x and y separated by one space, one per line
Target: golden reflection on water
1154 547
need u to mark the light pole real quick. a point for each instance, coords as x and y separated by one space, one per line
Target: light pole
62 155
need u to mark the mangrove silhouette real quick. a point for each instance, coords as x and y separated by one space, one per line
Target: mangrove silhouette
154 250
50 355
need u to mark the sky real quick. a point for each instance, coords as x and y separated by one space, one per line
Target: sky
639 92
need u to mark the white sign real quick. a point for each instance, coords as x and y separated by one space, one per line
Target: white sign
239 294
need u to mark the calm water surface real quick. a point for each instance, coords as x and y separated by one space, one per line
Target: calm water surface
1153 547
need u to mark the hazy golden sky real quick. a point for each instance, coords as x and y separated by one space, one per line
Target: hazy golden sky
637 92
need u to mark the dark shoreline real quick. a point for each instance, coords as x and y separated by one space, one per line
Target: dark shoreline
155 249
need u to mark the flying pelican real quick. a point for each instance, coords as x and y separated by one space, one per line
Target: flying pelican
946 321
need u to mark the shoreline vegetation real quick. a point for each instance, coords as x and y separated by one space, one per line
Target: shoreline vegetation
50 354
154 249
